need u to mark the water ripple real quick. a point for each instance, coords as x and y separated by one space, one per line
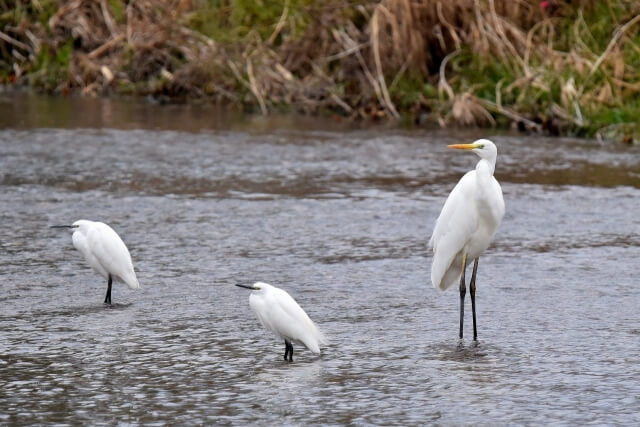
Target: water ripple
341 220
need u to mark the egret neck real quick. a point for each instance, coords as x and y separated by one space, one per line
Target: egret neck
486 194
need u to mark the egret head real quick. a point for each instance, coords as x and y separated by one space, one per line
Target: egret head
482 147
258 286
82 224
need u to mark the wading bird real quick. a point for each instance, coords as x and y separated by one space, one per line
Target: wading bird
278 312
105 252
467 224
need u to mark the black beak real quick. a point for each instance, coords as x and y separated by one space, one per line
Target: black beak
246 287
61 226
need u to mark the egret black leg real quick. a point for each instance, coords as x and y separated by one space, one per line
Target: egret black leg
107 298
288 350
472 287
463 291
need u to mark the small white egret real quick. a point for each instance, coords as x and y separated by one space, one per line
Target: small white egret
105 252
467 224
278 312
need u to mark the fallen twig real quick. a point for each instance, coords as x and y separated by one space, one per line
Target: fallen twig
511 114
97 52
253 85
15 42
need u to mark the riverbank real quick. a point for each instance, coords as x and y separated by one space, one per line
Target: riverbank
549 67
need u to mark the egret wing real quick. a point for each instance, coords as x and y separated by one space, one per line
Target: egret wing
270 314
454 227
280 313
112 253
309 333
81 244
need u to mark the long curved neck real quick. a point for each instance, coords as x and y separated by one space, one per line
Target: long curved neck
484 178
486 166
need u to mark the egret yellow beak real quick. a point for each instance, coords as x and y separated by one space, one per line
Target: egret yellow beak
465 146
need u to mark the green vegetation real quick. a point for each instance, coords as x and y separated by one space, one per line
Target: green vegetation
234 20
550 66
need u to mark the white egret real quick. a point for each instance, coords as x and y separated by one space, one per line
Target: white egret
278 312
105 252
467 224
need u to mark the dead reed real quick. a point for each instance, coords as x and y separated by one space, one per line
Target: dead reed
554 66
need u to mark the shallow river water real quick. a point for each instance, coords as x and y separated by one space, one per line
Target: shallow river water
338 217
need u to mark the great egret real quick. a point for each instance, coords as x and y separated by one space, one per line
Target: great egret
467 224
105 252
278 312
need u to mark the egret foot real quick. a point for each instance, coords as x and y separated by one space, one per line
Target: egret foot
107 298
288 350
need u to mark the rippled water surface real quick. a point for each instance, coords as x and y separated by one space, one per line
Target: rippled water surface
338 217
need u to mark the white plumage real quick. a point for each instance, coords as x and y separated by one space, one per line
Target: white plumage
468 221
278 312
105 252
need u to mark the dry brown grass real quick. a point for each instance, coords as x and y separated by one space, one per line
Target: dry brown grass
351 55
420 33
